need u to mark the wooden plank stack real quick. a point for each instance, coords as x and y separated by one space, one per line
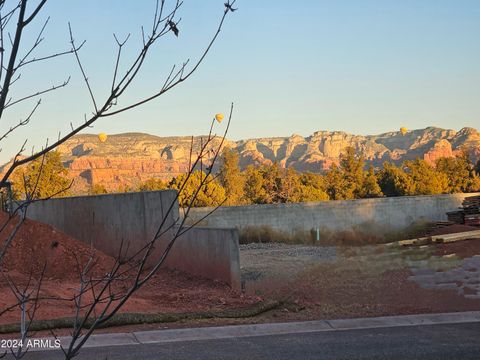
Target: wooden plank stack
472 220
469 213
471 209
457 217
438 225
471 205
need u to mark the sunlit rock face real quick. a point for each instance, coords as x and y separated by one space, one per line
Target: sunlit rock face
126 160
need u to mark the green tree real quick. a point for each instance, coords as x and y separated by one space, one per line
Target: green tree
153 184
98 189
269 184
272 183
352 167
253 188
124 188
426 180
346 180
370 187
474 184
336 185
311 187
42 178
393 181
290 186
231 178
211 193
459 171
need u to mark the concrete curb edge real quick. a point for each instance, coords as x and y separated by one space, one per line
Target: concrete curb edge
235 331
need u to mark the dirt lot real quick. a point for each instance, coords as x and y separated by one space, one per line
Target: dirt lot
38 246
309 282
365 281
274 263
329 282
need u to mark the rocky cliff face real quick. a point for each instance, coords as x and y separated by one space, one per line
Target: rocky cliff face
128 159
318 151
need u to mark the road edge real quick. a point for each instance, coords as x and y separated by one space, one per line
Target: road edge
236 331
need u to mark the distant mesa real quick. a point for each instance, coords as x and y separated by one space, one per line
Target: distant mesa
131 158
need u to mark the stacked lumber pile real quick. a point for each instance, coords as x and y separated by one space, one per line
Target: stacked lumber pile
469 213
471 210
439 225
457 217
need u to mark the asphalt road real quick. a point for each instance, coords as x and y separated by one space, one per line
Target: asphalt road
451 341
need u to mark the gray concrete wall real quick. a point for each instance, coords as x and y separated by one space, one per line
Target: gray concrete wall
213 253
107 221
392 213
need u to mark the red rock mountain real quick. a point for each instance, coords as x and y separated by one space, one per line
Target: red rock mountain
128 159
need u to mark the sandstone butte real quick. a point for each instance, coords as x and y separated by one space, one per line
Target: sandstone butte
130 158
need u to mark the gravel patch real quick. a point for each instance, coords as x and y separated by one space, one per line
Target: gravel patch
327 253
263 263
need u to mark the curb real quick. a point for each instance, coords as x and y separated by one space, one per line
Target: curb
238 331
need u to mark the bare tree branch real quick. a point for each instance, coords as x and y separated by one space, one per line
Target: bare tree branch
13 56
38 93
98 297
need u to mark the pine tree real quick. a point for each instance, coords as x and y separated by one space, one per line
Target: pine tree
211 193
289 186
98 189
393 181
459 172
153 184
345 181
253 187
231 178
337 186
425 178
42 178
311 187
272 183
351 167
370 187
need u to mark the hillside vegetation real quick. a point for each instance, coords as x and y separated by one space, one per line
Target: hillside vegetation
324 166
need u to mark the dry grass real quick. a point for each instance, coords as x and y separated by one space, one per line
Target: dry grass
358 235
266 234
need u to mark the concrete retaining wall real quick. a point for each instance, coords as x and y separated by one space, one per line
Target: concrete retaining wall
105 221
212 253
392 213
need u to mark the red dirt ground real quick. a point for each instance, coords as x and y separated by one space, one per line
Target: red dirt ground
37 244
361 295
462 249
167 292
325 292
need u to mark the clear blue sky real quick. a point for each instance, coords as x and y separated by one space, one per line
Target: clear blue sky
290 67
